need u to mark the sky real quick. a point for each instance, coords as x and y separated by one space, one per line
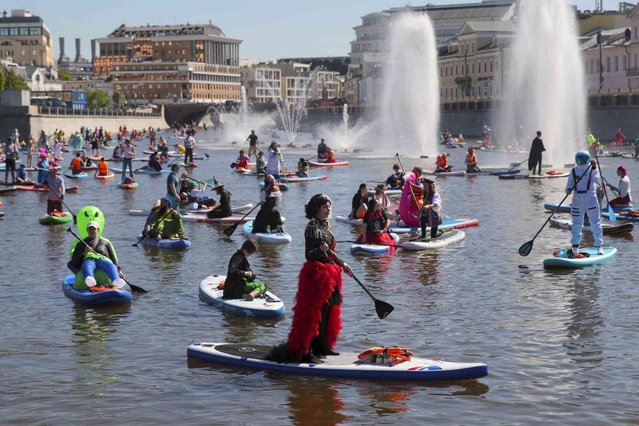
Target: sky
270 29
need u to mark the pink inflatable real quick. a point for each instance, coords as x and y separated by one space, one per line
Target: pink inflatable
408 210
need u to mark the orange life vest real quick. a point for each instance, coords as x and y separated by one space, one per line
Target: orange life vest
379 354
472 160
441 161
76 164
103 168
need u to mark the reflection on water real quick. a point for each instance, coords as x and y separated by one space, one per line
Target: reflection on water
314 400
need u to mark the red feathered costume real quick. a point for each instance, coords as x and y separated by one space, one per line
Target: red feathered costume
317 282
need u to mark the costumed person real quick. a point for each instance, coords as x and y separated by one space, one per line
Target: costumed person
268 218
103 168
441 164
412 198
396 179
321 149
471 162
619 137
330 156
375 225
534 158
173 186
242 161
223 208
186 186
623 189
384 201
302 167
318 303
583 181
240 282
431 209
590 139
260 163
154 163
359 202
96 253
43 168
165 223
270 189
273 164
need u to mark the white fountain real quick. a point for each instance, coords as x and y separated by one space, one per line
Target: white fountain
345 118
408 114
243 108
544 88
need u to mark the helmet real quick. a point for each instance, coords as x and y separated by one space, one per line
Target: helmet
582 157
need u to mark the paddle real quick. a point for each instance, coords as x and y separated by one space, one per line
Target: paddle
611 212
526 248
382 308
229 231
154 226
612 188
517 165
134 288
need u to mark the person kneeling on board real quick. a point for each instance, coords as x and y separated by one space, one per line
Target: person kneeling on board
164 223
240 280
268 219
359 203
623 190
375 226
223 208
583 181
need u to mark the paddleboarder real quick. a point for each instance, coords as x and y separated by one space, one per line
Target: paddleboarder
375 226
166 223
240 280
534 158
223 208
321 149
584 201
396 179
623 190
431 209
56 191
252 140
317 311
268 219
173 186
471 161
359 202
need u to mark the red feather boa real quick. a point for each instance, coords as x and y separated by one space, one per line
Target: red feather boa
317 281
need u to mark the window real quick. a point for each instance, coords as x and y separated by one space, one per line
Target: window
616 63
24 31
625 63
13 31
4 31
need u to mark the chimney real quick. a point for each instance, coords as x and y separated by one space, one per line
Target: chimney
78 55
92 50
61 58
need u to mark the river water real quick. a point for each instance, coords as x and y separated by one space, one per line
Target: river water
561 347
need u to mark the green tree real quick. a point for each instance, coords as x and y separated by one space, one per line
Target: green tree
97 99
64 75
3 79
15 82
119 98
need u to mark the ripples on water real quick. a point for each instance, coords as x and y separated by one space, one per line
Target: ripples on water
560 346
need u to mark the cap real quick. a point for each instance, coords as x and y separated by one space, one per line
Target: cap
93 224
175 166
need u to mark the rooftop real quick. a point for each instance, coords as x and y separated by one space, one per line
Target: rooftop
166 30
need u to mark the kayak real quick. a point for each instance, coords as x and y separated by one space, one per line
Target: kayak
127 186
565 208
88 297
56 219
607 228
43 188
81 175
269 306
560 259
446 224
107 176
239 209
265 237
457 173
373 248
448 237
294 179
344 365
323 164
166 243
149 171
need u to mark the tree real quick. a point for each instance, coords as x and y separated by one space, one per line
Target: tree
15 82
119 98
97 99
64 75
3 80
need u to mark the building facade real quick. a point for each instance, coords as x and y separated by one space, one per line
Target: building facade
262 83
25 40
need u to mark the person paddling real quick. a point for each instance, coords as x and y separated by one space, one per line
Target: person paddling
173 186
165 223
76 164
268 218
321 150
623 189
441 164
584 201
103 168
154 163
56 191
396 179
330 156
471 161
242 161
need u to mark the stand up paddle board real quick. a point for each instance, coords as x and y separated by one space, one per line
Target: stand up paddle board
448 237
345 365
373 248
269 306
446 224
561 260
608 228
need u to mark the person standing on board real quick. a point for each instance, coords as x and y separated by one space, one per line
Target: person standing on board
583 181
128 152
252 140
534 158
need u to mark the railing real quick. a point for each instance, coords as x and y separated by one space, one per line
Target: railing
49 110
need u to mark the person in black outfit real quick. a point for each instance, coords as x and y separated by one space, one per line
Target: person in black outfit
321 149
534 159
223 209
239 272
395 180
268 219
359 199
154 163
252 138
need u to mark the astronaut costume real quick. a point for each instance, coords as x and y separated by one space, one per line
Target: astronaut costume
584 199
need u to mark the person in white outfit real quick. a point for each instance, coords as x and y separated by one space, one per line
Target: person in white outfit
274 158
623 190
583 181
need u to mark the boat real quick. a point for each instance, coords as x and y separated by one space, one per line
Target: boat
88 297
293 179
56 218
345 365
312 163
167 243
560 258
359 248
607 228
269 306
447 238
265 237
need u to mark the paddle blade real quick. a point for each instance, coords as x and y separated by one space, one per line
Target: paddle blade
525 249
383 309
229 231
611 215
136 289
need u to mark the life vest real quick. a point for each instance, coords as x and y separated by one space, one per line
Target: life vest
242 162
330 157
103 168
76 164
441 161
472 160
380 355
